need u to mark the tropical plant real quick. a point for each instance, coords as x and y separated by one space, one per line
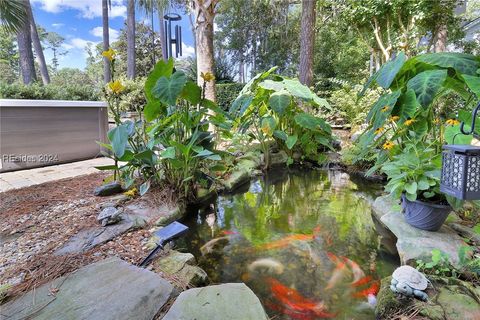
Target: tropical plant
13 15
411 105
415 172
468 263
170 141
271 107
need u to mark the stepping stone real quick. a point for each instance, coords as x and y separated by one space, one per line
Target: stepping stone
232 301
412 243
182 267
108 289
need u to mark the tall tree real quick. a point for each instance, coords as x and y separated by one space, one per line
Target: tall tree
204 11
107 76
54 42
24 42
131 39
37 45
307 40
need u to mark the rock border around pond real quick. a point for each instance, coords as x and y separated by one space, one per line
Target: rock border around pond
414 244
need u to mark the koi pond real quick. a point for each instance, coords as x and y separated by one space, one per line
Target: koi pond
303 241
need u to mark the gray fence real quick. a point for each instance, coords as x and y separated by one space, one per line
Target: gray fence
37 133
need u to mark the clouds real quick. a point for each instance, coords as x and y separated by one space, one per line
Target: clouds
98 32
88 8
58 25
77 43
188 51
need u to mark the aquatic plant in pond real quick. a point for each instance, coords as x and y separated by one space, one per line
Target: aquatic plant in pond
310 232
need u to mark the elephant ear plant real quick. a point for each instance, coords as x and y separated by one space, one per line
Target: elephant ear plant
171 143
272 107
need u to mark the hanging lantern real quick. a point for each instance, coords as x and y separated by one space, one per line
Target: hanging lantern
461 167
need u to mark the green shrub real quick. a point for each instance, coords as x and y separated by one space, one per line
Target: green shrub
227 93
133 97
37 91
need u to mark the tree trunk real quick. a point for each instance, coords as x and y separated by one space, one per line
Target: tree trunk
131 39
163 37
107 75
37 45
441 39
307 39
27 66
204 16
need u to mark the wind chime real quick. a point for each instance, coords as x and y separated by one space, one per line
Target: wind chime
170 40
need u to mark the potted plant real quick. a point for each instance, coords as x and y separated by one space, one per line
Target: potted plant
414 177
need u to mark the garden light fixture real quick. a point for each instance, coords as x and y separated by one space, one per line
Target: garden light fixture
461 167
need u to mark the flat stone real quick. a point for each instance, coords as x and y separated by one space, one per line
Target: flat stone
108 189
278 158
111 214
233 301
88 238
466 232
412 243
145 208
182 266
108 289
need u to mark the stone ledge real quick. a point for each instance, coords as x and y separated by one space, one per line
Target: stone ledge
413 243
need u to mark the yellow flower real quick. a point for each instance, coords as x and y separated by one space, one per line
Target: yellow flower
394 118
379 130
208 76
109 54
131 193
116 86
388 145
385 109
409 122
452 122
436 121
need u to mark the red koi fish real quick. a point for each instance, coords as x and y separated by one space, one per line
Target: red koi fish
296 302
228 232
372 290
284 242
362 281
306 315
317 230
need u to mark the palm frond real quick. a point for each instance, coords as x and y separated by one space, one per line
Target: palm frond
13 15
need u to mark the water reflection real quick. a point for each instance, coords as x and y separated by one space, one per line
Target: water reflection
295 231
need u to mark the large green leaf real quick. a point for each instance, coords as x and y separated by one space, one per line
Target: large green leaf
192 93
377 112
462 62
255 80
291 140
118 137
241 103
161 69
279 101
152 109
311 122
473 82
167 90
271 85
426 85
408 105
453 135
389 70
268 125
297 89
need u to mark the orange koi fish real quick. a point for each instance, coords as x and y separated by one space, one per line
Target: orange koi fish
362 281
339 271
372 290
306 315
228 232
296 302
284 242
356 270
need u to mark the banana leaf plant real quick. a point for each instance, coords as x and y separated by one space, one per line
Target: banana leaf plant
273 107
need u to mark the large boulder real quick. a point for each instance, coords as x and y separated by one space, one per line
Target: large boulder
412 243
108 289
449 299
232 301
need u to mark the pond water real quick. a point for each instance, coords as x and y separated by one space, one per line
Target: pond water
303 241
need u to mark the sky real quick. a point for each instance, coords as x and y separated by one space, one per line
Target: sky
80 22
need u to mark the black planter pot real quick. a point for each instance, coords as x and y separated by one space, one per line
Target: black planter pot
424 215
